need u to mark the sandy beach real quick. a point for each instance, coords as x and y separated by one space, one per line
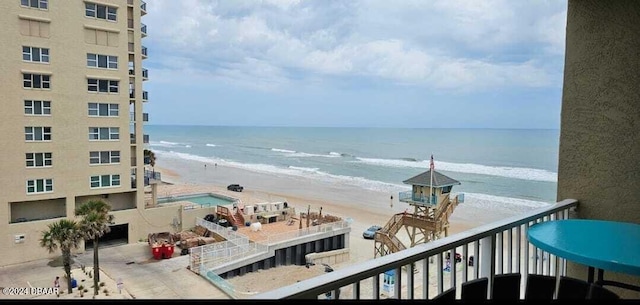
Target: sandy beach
364 207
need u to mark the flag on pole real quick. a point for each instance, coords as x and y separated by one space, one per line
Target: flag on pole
431 164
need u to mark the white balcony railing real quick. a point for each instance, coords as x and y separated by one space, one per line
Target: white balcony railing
499 247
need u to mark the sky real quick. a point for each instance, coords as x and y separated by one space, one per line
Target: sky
355 63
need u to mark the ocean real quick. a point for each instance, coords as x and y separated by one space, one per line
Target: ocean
513 169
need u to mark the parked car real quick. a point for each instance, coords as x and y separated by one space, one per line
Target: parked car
371 231
235 187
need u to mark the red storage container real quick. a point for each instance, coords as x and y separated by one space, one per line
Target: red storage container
157 253
167 251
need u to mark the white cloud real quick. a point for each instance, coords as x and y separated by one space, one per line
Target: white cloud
445 44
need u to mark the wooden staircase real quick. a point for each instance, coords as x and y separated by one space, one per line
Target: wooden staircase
436 221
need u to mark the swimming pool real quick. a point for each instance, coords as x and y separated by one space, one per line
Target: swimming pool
208 199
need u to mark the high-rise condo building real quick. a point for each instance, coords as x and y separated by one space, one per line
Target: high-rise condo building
72 118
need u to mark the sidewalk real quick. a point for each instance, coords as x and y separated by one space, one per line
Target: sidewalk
142 276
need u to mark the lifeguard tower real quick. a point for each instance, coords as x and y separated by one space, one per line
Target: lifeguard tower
432 206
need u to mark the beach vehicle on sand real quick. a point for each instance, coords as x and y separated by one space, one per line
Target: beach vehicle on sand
371 231
235 187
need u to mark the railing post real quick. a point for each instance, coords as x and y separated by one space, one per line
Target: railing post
410 281
425 278
439 273
398 283
487 261
356 290
376 287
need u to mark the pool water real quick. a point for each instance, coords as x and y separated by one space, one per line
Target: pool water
200 199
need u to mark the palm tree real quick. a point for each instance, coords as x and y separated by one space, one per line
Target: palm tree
94 224
152 157
64 234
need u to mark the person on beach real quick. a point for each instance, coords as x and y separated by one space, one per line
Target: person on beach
119 285
205 166
56 285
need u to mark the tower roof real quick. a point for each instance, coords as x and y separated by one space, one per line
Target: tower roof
424 179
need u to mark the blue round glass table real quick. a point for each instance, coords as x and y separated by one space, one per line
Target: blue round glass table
605 245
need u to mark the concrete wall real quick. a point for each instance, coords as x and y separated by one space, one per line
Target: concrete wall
328 257
600 131
290 253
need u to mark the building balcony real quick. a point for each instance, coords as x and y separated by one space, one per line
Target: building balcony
497 248
145 96
144 52
153 175
132 94
143 8
145 138
130 24
133 161
131 47
143 30
132 117
145 73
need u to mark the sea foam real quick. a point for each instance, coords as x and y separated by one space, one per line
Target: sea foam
283 150
480 200
502 171
168 144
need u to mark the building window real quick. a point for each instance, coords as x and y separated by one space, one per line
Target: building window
39 186
33 54
102 85
37 107
37 81
104 157
33 134
100 11
105 181
103 109
102 61
39 159
104 133
447 189
41 4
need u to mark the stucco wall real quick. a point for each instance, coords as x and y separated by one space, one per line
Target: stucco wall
600 131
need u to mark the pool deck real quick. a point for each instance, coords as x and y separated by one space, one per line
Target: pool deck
175 190
270 229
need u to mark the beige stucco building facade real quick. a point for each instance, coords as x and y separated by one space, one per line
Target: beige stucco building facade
600 127
72 119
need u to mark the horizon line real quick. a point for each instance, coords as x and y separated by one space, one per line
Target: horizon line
355 127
